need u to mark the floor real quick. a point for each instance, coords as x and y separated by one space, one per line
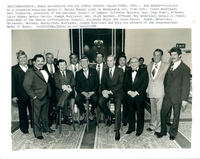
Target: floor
101 137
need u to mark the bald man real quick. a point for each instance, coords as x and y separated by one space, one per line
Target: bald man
135 85
112 87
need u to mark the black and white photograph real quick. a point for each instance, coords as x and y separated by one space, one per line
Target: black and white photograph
101 89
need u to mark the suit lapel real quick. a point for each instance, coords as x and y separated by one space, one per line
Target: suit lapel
160 70
39 74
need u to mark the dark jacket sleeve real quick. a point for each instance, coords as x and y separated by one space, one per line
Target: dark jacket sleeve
57 81
72 80
120 82
185 84
28 83
78 83
96 81
103 81
14 94
126 83
145 81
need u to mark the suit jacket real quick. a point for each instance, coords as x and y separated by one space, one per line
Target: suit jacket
140 82
156 85
59 81
17 83
71 68
116 83
35 84
104 68
177 83
51 80
87 85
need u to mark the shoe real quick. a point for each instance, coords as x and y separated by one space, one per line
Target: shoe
129 132
169 124
66 121
149 129
49 130
25 132
159 135
124 124
138 133
40 137
171 137
91 116
117 135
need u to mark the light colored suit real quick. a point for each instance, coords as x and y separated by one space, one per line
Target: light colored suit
71 68
156 93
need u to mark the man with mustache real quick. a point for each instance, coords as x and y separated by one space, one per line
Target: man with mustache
37 86
177 87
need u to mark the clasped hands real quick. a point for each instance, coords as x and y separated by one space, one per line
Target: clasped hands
132 93
87 94
66 88
106 93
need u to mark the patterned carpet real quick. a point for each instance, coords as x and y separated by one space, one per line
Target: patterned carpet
105 139
68 139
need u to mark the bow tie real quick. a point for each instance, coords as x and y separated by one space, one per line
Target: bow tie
134 70
41 69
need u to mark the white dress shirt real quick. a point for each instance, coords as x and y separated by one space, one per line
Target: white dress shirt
53 68
176 64
100 71
44 73
156 69
24 68
134 75
113 69
123 68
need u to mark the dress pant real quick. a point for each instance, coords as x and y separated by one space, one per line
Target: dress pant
125 109
136 106
156 105
80 99
117 103
40 115
63 101
23 117
166 106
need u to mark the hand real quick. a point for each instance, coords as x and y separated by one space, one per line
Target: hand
85 94
64 87
184 105
132 93
68 90
15 99
110 92
90 93
105 93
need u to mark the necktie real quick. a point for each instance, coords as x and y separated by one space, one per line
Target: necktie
172 66
75 69
64 76
154 70
110 73
85 73
51 69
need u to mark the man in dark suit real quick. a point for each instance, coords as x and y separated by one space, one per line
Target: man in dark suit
51 69
87 84
112 87
19 95
37 86
100 67
64 83
124 67
177 87
135 85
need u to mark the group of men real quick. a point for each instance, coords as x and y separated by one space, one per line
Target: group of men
44 86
